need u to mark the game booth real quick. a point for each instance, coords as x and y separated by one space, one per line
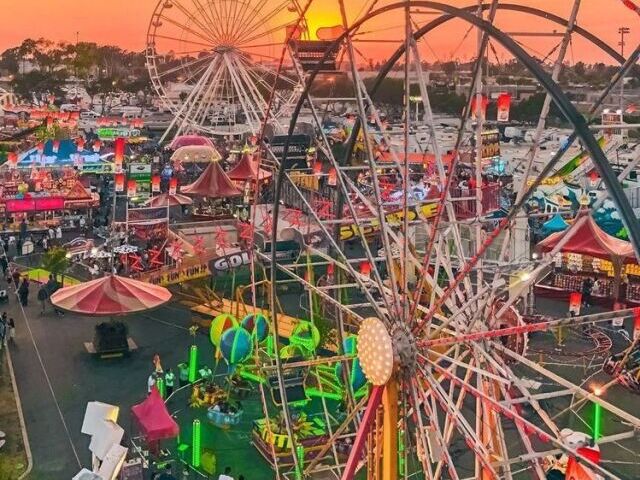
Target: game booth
589 252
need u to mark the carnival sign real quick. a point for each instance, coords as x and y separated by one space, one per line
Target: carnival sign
424 211
178 275
228 262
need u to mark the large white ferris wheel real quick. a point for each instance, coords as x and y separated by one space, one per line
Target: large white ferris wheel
213 62
429 374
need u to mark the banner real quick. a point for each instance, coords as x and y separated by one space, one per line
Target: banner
146 214
155 184
119 179
174 275
504 105
636 323
173 186
150 231
118 152
424 211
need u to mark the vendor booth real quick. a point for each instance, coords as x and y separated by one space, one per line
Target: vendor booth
588 252
154 420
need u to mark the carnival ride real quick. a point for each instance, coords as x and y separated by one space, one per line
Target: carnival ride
222 52
434 320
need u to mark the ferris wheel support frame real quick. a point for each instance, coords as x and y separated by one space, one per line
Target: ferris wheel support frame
557 94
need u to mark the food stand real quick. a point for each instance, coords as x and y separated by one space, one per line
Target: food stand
589 252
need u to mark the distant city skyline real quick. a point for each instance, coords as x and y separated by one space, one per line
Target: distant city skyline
124 23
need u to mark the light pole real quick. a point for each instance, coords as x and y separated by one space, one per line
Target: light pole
622 31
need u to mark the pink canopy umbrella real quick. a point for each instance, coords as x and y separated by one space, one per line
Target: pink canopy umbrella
189 140
110 296
172 200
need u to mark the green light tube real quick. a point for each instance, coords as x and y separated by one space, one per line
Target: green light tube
597 422
300 467
161 387
195 444
193 363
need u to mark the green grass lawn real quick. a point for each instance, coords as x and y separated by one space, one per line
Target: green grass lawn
13 459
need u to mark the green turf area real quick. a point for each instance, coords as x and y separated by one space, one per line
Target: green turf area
13 459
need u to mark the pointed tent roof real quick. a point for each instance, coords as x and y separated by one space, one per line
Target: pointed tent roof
589 239
154 419
247 169
78 192
555 224
213 182
110 296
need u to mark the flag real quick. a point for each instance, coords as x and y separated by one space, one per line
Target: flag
329 33
155 183
503 104
173 186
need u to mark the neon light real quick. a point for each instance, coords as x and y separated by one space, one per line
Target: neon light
401 452
161 387
597 421
193 363
195 444
300 466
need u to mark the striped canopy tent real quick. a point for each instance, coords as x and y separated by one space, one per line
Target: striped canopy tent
168 199
190 140
195 154
247 170
110 296
212 183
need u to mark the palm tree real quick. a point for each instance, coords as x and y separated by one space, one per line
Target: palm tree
55 261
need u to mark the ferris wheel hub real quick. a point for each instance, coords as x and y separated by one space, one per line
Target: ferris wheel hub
384 352
222 49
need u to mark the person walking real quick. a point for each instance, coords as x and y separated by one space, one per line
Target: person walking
3 333
169 381
4 264
59 235
23 291
15 275
11 330
43 296
52 286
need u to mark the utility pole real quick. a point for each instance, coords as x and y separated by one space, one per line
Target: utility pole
622 31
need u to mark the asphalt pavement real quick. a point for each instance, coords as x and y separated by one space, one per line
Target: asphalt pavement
56 377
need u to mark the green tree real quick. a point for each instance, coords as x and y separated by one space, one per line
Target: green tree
55 261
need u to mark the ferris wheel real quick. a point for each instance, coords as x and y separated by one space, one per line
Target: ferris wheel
212 62
422 281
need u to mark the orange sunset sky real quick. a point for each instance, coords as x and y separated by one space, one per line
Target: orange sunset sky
124 23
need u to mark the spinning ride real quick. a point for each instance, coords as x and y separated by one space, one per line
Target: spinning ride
211 63
429 285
